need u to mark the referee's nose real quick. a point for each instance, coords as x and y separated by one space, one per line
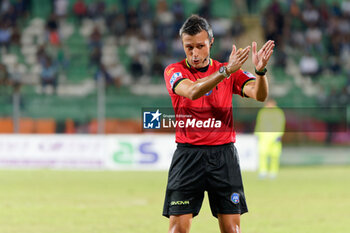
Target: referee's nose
195 53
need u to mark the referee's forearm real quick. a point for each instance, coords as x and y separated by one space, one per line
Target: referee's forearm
261 88
204 85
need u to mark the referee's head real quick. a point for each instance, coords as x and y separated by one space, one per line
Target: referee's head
197 38
194 25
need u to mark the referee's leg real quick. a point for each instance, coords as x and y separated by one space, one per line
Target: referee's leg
180 223
230 223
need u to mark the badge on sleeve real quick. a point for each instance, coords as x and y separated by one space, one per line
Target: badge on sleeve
174 78
250 75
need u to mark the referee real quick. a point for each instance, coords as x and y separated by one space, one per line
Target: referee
206 159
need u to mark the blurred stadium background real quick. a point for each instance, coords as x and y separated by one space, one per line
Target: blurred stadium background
76 68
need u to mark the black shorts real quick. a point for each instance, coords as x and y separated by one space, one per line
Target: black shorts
195 169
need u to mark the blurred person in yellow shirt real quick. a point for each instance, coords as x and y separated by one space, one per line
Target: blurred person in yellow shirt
270 125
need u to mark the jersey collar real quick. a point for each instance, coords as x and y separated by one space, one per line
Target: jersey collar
189 66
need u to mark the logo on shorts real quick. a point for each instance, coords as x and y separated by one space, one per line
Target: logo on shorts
179 203
235 198
151 120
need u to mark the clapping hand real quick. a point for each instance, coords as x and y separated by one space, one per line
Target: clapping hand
237 59
261 58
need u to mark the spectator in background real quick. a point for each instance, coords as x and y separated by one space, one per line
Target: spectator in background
145 14
313 36
60 8
62 58
5 35
49 75
345 8
179 14
80 10
95 46
5 6
103 73
334 64
145 11
95 40
335 9
157 68
144 51
205 10
92 10
54 38
4 79
324 14
116 23
281 56
309 65
274 22
15 77
310 14
119 74
110 16
177 49
95 56
164 20
141 48
16 36
21 8
132 21
120 25
161 46
100 8
41 55
10 16
294 9
136 68
52 25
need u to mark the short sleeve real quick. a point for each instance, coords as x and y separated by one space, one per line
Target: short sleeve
241 78
172 76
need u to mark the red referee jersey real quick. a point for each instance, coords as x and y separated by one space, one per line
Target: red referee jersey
209 118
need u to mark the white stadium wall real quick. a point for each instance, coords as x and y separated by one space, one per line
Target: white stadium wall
103 152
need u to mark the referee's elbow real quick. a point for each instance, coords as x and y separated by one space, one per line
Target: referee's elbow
193 97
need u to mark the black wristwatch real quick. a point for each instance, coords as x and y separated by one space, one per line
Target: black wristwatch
223 71
261 73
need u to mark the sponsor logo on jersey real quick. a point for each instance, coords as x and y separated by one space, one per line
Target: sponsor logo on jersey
175 77
168 71
235 198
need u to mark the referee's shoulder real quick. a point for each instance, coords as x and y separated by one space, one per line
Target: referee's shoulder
172 67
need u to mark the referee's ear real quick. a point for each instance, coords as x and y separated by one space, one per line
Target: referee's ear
211 42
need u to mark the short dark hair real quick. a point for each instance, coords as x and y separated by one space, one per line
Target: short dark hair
194 25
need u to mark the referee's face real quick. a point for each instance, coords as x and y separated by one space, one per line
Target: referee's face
197 48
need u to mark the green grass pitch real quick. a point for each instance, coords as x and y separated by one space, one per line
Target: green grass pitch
301 199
